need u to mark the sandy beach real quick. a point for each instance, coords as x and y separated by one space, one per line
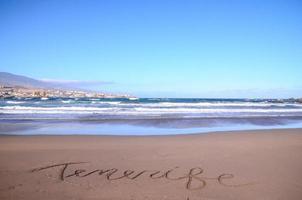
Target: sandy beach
232 165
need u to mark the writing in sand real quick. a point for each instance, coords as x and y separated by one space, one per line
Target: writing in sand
193 179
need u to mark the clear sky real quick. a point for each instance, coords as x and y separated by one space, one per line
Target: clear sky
158 48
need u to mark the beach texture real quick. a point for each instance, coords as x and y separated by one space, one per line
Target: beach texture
229 166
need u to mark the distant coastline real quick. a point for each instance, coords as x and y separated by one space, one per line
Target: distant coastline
24 92
16 86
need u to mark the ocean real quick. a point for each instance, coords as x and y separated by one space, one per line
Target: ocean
144 116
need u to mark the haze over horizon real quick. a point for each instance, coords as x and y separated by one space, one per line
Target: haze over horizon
226 49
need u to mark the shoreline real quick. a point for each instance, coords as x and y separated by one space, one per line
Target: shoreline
150 127
243 131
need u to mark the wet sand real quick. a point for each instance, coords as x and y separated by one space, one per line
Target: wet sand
232 165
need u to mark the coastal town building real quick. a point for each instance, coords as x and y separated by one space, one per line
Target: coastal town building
17 91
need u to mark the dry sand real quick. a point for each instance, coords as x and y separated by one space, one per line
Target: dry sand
233 165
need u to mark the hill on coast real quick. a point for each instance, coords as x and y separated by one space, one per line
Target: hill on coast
13 80
16 85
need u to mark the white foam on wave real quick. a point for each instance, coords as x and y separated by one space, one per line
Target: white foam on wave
15 102
111 102
66 101
206 104
144 111
52 110
209 110
106 102
226 104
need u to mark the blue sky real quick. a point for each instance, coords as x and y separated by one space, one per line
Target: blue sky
156 48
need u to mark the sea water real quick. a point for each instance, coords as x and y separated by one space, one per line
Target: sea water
144 116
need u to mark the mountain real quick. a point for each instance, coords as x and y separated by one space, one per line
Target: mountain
8 79
12 80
